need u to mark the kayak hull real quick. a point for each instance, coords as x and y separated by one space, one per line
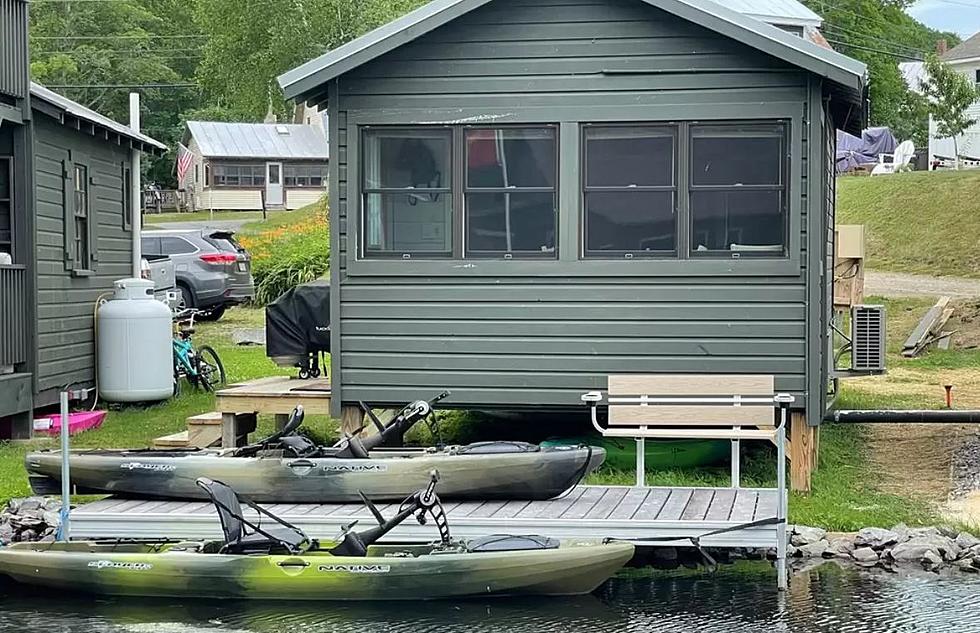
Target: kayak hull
388 475
387 573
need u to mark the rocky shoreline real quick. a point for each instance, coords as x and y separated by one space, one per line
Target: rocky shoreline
31 519
933 549
929 548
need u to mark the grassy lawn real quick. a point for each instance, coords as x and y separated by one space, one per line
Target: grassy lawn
204 216
138 426
917 222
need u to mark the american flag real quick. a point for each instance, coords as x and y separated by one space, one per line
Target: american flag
184 160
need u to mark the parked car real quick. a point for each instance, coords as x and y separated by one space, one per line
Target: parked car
213 270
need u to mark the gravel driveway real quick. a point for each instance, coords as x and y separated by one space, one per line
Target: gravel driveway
906 285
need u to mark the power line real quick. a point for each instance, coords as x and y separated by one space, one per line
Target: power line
160 51
853 33
874 50
118 37
119 86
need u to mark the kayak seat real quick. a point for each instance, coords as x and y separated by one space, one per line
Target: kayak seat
497 448
279 538
298 446
509 543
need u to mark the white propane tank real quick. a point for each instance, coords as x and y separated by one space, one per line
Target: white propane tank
135 345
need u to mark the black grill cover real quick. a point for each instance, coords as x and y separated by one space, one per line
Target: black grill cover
298 322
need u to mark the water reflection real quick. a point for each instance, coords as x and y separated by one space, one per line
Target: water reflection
734 600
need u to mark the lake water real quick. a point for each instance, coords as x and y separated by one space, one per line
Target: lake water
734 600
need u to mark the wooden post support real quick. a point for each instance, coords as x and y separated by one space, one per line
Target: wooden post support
801 452
235 428
281 420
816 449
351 419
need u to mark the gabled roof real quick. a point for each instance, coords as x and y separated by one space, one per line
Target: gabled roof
967 49
259 140
68 107
790 12
306 81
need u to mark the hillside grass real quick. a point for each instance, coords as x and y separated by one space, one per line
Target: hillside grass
149 219
917 222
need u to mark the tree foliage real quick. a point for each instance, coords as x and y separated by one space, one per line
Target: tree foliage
249 44
949 94
880 34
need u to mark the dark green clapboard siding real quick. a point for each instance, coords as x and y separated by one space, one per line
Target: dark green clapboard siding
523 341
66 303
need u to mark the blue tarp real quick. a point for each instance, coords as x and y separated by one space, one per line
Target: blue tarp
852 152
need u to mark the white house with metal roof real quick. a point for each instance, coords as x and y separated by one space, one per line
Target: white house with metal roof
241 166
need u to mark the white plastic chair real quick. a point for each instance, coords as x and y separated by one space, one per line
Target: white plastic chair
891 163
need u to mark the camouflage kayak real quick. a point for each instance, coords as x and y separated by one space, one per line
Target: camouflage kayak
496 470
271 559
388 572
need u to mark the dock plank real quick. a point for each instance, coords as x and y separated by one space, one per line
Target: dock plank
551 507
609 502
744 507
487 510
675 505
697 508
651 507
586 502
721 505
766 506
467 508
510 509
634 499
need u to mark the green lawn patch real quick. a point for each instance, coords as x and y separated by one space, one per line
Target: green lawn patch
150 219
917 222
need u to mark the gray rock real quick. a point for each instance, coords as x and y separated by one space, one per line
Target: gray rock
814 550
922 554
946 546
924 531
902 532
965 540
865 557
804 535
948 531
30 505
792 551
875 538
840 547
51 518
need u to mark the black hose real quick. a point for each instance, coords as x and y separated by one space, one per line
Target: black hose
926 416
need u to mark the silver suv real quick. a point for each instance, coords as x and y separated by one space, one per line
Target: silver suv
213 270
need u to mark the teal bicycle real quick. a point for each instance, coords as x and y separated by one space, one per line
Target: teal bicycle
201 367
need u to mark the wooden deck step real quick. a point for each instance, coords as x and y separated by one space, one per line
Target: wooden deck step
204 430
176 440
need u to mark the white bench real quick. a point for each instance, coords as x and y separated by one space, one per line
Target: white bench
710 407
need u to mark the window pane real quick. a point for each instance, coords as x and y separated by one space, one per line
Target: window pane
510 222
176 246
739 221
514 157
625 156
735 155
399 159
407 223
630 221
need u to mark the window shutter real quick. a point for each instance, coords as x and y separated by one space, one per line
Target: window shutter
68 212
92 221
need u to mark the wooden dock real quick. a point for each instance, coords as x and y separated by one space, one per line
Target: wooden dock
650 514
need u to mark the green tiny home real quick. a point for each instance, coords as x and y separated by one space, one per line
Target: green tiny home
65 236
529 195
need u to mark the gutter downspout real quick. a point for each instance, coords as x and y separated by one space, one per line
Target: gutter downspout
137 185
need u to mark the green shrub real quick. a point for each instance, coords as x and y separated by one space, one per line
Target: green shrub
286 255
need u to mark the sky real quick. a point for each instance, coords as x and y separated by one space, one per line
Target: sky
959 16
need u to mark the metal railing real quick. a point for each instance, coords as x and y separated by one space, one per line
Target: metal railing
13 314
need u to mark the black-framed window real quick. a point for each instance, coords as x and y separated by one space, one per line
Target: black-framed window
406 183
228 175
6 205
738 190
127 197
510 195
305 175
630 190
81 216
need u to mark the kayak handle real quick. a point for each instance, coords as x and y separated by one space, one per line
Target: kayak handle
294 562
301 463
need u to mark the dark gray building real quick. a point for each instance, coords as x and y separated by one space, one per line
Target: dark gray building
529 195
65 204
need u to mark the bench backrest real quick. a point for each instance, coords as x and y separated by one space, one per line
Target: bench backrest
669 400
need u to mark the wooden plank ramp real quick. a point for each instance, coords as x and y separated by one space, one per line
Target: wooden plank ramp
655 515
